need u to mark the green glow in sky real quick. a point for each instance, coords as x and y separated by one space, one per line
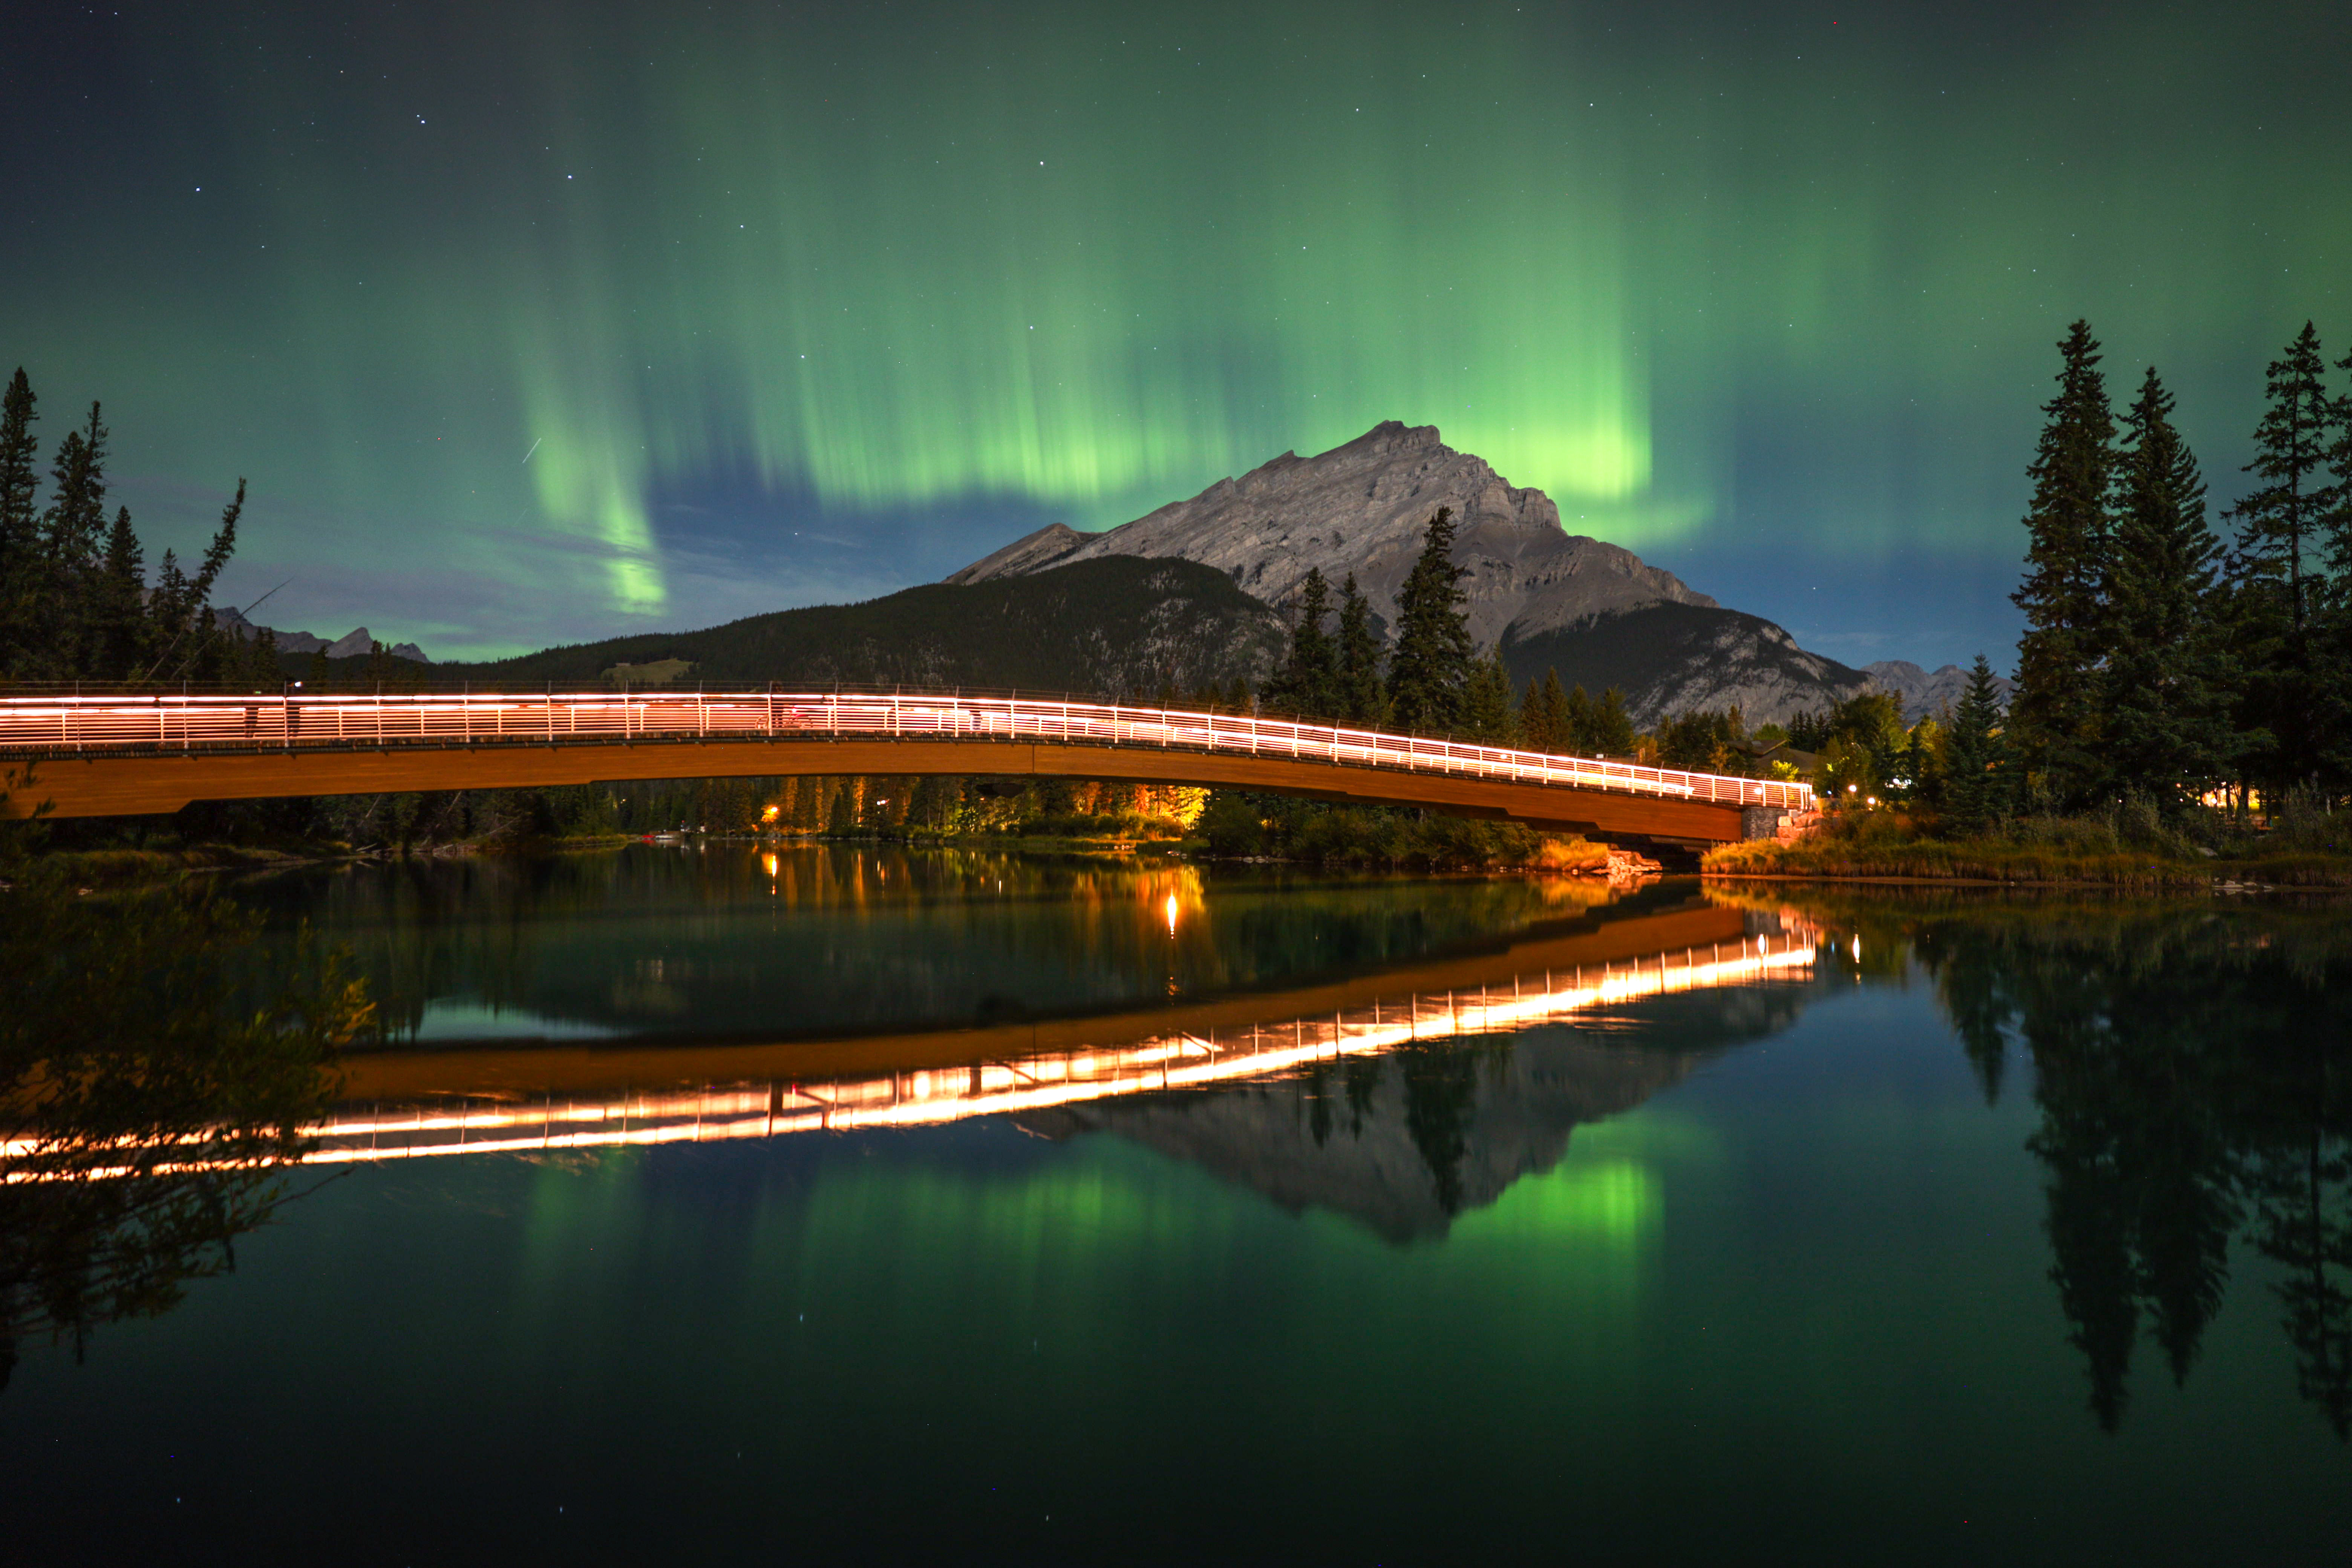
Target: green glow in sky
490 306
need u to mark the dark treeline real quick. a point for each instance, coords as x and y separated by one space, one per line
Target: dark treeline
2163 659
77 600
1434 681
2180 688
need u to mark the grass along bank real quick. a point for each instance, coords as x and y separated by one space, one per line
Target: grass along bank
2130 846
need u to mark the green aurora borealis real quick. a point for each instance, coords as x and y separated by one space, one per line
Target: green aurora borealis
800 303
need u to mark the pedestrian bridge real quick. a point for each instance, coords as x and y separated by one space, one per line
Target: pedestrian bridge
133 755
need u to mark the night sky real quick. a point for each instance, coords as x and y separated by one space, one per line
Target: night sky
539 323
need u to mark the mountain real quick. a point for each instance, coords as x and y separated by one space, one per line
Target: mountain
1112 626
1362 508
354 643
1924 693
1550 599
1668 658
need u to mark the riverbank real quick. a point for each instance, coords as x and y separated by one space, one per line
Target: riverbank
1491 851
1991 862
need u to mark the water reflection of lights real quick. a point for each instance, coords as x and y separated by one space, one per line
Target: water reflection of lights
1170 910
930 1096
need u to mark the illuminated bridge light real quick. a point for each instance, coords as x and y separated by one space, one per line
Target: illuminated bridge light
933 1096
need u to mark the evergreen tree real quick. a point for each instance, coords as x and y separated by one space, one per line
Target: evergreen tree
120 607
2288 689
2167 731
1486 710
1309 683
1975 789
181 626
1583 734
2332 661
1919 773
59 627
1544 722
1555 713
2054 711
20 523
2282 522
2339 463
1360 700
1612 732
1430 670
262 668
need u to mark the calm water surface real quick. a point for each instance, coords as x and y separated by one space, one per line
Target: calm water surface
1974 1231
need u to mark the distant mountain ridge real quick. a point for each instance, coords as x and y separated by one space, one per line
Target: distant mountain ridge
354 644
1111 626
1924 693
1669 658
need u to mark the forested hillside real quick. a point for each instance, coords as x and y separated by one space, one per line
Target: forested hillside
1114 626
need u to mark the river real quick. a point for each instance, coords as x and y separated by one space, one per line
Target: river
853 1203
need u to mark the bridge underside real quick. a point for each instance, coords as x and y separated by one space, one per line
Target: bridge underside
163 782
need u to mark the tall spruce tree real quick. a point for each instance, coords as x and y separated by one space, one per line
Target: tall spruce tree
1360 698
2334 660
1309 683
2283 521
62 625
2167 682
1583 736
1544 722
119 615
1487 712
1975 785
2289 692
2054 714
1613 728
2339 464
1430 667
20 521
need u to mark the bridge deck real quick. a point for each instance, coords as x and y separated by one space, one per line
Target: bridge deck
124 755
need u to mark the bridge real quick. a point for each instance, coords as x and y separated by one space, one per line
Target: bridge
141 753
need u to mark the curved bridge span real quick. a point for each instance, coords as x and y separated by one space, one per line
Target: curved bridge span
136 755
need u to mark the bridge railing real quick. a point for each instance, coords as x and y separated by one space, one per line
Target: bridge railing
124 724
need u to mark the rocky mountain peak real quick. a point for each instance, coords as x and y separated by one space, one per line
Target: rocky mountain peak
1362 508
352 644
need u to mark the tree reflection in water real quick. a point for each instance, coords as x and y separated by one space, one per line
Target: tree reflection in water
2193 1071
138 1041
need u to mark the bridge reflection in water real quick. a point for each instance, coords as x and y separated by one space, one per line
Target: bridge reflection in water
1270 1045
